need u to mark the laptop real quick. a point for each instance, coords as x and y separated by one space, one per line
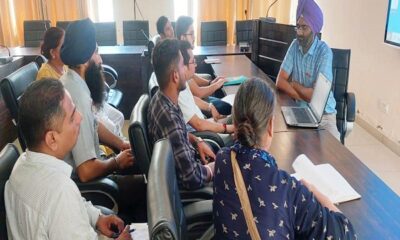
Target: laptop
309 116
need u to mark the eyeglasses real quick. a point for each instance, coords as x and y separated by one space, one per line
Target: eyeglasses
193 62
188 34
301 28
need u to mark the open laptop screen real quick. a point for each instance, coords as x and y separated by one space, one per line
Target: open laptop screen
320 96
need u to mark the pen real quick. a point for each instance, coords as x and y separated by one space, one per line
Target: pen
116 235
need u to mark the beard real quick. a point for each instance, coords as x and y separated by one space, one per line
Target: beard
94 78
305 41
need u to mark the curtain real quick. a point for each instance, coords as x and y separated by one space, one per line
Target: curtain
14 12
233 10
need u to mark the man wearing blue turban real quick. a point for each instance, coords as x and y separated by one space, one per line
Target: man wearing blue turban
308 56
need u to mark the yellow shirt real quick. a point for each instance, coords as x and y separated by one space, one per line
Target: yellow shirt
47 71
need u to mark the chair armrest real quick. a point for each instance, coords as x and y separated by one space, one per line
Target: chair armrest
351 107
211 138
190 196
104 192
111 73
198 212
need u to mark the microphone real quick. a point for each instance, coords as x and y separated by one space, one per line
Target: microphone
269 19
150 44
6 59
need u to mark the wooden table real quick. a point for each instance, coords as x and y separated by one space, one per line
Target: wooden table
377 214
231 66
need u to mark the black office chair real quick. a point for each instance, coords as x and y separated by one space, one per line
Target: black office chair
153 85
142 147
39 60
34 31
213 33
113 95
8 157
244 31
12 87
167 219
63 24
106 33
135 32
345 101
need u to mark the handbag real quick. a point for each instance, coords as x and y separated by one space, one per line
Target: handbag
244 198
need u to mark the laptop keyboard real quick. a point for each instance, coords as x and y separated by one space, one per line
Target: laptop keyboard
301 115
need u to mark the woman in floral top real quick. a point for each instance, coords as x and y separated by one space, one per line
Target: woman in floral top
283 208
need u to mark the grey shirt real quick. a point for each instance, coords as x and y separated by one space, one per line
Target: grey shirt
87 146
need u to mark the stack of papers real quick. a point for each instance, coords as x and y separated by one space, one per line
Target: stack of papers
325 178
212 60
235 80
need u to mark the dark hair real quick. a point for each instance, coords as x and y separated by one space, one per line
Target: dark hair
253 108
165 58
161 22
51 40
184 46
40 110
95 80
182 25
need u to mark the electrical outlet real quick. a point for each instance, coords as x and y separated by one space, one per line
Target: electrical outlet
383 107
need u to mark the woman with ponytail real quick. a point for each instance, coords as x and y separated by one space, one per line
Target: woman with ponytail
253 198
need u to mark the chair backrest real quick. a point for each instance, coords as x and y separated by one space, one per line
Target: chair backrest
106 33
138 134
340 69
34 32
213 33
13 86
153 85
63 24
244 31
166 219
135 32
39 60
8 157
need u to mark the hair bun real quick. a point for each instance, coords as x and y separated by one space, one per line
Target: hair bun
246 134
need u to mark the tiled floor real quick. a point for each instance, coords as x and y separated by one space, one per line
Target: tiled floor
376 156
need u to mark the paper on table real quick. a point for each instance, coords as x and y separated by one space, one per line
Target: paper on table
141 231
325 178
229 99
212 60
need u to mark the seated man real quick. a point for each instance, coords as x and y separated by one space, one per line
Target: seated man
191 105
80 53
42 202
164 29
200 86
166 120
306 57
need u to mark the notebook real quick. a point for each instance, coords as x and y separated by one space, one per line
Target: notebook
235 80
325 178
310 115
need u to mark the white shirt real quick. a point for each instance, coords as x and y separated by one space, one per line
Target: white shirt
42 202
87 146
187 104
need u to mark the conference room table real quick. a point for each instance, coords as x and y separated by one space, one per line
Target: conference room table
377 214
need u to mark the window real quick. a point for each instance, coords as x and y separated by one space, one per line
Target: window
105 10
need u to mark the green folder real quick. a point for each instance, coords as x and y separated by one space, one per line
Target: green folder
235 80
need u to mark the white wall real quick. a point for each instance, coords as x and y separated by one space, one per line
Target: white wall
151 10
375 66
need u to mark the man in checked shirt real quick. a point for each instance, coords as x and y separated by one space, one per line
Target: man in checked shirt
166 120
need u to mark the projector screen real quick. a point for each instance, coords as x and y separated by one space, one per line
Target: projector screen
392 32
